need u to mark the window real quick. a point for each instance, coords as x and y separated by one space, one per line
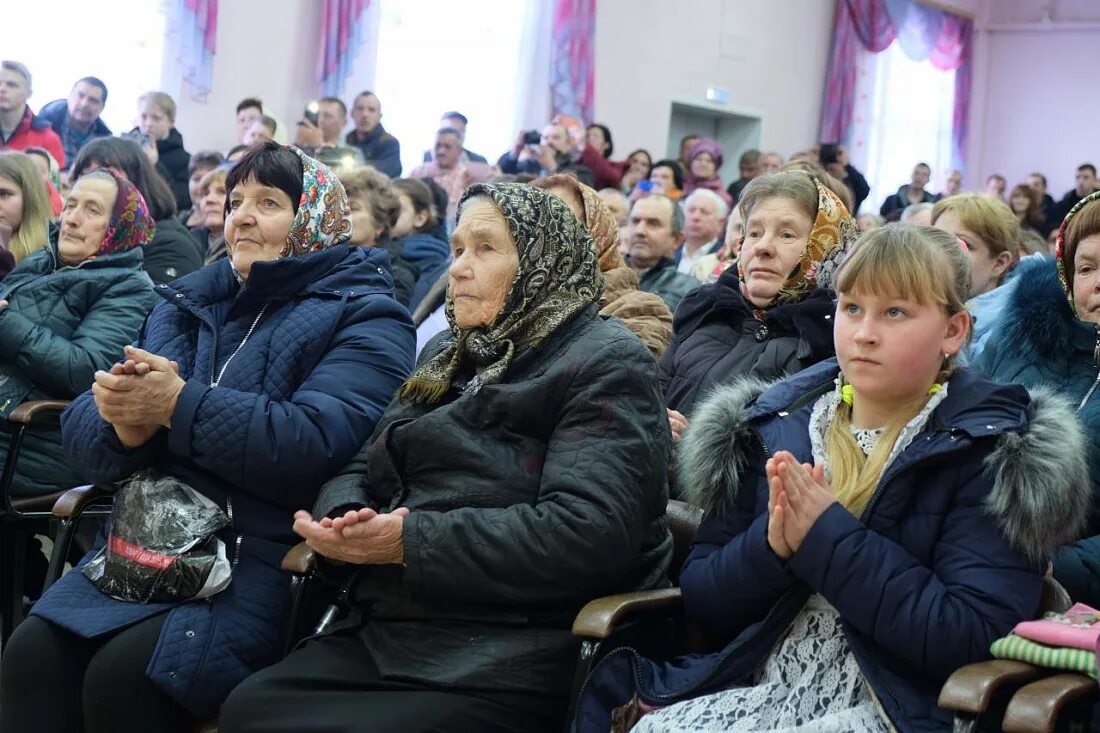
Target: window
119 41
903 116
439 55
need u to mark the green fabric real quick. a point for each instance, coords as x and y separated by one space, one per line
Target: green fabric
1020 649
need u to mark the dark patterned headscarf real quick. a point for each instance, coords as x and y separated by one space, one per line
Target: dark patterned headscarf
323 218
557 278
130 224
1063 258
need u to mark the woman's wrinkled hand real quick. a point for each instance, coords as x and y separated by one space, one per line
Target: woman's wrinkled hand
362 537
139 393
678 423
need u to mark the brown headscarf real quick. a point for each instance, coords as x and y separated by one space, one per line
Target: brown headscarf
646 314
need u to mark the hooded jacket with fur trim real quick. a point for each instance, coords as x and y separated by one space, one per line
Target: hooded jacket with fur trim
947 557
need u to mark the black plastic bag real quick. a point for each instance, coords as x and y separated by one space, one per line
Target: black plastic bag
161 545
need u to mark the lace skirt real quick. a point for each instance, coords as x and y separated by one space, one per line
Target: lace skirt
810 682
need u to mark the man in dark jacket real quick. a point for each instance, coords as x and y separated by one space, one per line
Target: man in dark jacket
553 154
1037 182
656 230
380 149
836 162
912 193
1086 184
19 127
457 121
76 119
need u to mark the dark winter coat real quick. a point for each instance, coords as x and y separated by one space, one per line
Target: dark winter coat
511 164
172 253
380 149
295 401
947 557
1041 344
431 256
664 280
57 114
528 499
718 339
894 205
61 325
404 274
172 162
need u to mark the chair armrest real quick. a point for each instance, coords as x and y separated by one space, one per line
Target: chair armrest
27 411
300 560
970 689
598 619
1035 707
74 501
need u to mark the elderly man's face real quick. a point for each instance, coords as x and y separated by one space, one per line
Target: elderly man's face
85 103
651 236
485 263
448 149
555 136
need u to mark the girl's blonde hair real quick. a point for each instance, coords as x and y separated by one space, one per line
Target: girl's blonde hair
37 212
162 101
919 263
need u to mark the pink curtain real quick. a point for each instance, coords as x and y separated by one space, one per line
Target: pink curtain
196 23
925 33
342 31
572 62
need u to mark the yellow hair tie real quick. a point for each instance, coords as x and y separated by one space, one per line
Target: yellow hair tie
847 393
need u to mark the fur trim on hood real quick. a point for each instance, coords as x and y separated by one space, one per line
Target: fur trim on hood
1041 493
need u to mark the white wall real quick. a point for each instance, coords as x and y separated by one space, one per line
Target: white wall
266 49
770 56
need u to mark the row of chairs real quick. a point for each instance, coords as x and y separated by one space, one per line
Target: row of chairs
992 695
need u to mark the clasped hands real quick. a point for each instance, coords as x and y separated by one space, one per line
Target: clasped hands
359 537
797 495
138 396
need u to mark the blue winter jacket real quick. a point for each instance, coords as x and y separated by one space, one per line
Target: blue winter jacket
1042 344
431 256
294 401
947 557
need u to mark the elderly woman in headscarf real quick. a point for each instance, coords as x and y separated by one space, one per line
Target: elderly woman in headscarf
643 313
771 315
519 475
254 381
704 158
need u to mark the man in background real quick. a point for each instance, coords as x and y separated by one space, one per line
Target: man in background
76 120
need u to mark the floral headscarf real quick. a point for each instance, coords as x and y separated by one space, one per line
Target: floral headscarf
1065 268
833 233
598 219
558 277
323 218
130 224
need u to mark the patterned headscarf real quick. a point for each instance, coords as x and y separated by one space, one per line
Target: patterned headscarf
557 278
130 225
833 233
598 219
323 218
1065 268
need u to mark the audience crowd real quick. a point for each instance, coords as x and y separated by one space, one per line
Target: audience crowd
473 390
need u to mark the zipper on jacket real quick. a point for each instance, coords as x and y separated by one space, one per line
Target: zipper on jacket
1096 363
240 537
218 379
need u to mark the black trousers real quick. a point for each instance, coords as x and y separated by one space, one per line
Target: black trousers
331 685
52 680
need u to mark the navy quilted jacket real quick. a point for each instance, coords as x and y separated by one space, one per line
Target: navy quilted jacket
328 347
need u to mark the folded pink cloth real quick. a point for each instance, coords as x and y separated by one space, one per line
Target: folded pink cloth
1078 628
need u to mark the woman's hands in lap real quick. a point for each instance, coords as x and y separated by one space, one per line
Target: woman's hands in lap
362 537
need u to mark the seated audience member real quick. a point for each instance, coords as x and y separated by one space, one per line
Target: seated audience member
704 219
201 163
440 204
834 160
19 127
919 215
66 311
771 315
332 118
636 168
597 156
51 176
655 232
156 120
171 253
380 149
1031 243
952 185
1047 338
375 209
24 206
450 171
616 203
870 222
471 578
667 178
995 185
710 267
914 192
1025 205
76 120
643 313
458 121
210 234
686 144
989 230
249 110
1086 183
232 412
555 153
770 163
704 160
749 167
262 130
901 549
1047 208
235 153
423 235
